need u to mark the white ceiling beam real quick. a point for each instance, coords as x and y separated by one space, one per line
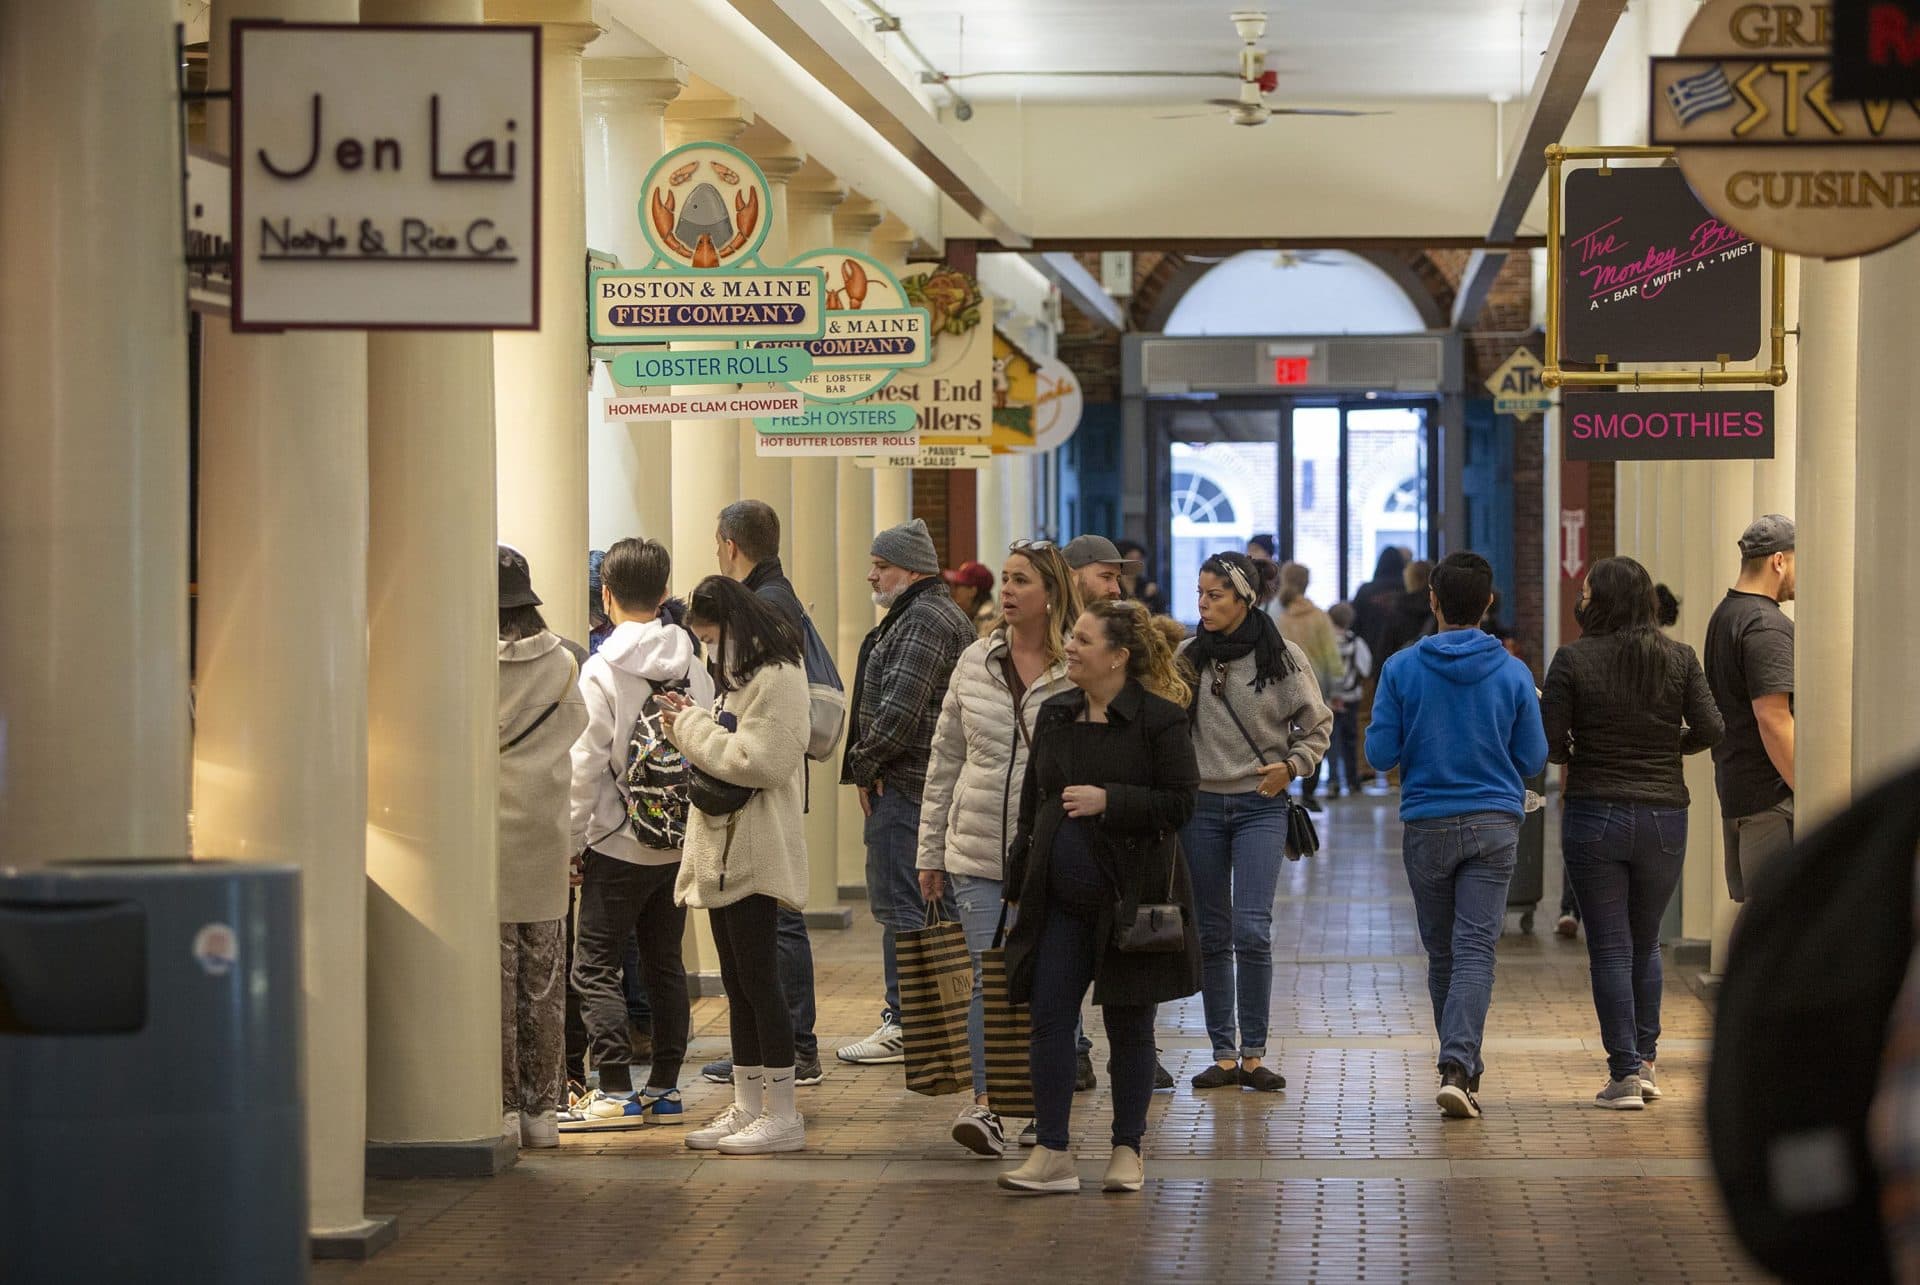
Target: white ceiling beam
1579 39
1080 288
820 41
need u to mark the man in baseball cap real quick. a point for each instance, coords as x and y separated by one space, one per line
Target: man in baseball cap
1097 567
1749 664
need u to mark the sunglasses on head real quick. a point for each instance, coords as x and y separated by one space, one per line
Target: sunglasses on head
1021 546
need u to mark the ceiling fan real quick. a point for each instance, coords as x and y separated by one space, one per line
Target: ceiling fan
1257 80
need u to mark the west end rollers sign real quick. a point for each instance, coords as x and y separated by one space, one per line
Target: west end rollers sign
704 210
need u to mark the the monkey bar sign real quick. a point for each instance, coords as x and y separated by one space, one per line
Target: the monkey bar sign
704 210
386 177
1750 107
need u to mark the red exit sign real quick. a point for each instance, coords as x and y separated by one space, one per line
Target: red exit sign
1292 370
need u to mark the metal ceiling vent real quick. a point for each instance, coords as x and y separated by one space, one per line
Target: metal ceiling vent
1157 366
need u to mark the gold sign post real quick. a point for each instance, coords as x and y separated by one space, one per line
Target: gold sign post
1556 377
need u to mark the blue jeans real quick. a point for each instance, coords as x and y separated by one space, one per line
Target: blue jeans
892 833
1344 772
979 905
1064 960
796 982
1235 846
1623 862
1459 868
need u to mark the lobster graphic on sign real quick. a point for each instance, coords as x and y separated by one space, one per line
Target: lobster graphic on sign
689 218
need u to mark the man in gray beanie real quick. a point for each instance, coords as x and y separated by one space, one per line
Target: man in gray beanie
1749 664
902 678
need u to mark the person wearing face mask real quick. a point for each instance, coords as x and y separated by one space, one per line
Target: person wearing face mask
972 796
1110 779
1749 664
1259 721
1623 704
905 664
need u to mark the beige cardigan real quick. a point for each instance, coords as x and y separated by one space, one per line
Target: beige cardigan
768 854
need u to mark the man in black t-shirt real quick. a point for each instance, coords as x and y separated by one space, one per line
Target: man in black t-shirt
1749 664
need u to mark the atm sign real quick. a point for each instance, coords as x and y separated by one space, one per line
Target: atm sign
1293 370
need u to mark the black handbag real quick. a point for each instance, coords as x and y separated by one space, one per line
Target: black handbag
708 793
1157 928
1303 837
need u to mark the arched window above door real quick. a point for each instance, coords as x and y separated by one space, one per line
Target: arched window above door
1288 292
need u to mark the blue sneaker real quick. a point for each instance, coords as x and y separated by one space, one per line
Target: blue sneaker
662 1108
601 1111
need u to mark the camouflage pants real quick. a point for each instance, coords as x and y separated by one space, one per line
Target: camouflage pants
533 983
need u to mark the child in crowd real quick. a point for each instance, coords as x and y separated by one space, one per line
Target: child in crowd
1344 695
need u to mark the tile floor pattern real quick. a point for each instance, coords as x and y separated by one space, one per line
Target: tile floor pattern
1351 1175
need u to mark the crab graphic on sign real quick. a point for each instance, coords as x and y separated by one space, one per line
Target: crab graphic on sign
1516 387
704 210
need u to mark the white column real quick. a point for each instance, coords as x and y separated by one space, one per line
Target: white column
1732 510
433 938
1827 380
1627 477
990 513
280 752
810 542
629 473
1886 711
892 487
1773 480
93 436
1685 528
540 376
770 477
853 226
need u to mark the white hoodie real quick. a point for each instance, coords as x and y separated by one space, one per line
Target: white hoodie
615 683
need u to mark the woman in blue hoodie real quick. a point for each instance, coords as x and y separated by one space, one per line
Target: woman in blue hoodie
1460 718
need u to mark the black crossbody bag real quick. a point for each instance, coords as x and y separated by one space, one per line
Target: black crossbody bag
1160 927
1303 837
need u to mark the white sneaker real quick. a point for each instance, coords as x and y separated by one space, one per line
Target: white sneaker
884 1047
979 1131
539 1131
510 1126
767 1135
725 1125
1649 1091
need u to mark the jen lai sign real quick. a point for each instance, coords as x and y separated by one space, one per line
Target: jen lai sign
1667 425
386 177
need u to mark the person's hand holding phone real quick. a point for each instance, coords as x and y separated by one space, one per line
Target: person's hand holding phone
672 704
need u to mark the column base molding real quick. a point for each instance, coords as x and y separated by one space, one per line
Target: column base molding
705 986
357 1243
853 892
480 1158
836 918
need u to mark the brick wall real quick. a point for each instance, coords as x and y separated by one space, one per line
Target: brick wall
1529 527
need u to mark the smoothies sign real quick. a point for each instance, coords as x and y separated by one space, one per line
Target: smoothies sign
704 210
1749 106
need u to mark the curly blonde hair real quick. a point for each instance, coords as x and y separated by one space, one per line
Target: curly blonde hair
1149 657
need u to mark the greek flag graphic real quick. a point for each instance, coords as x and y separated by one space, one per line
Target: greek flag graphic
1700 95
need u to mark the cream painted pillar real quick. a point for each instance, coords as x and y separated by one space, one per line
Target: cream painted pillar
540 376
629 469
706 473
853 225
93 436
892 487
1732 511
1773 480
770 477
811 542
1685 526
990 514
1886 711
1827 381
433 937
1627 476
280 749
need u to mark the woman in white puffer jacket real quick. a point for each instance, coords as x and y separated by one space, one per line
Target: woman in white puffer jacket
971 805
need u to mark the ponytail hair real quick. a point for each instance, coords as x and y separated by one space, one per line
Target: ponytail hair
1149 657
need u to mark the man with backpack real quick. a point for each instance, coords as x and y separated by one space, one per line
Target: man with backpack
629 805
1461 720
748 550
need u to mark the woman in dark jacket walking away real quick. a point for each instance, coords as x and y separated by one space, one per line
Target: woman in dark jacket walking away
1623 705
1110 780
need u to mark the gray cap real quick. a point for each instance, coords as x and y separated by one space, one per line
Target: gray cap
1767 536
909 547
1085 550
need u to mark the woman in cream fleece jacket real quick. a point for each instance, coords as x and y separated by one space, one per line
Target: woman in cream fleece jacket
742 867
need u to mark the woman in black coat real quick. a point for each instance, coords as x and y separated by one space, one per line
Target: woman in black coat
1110 780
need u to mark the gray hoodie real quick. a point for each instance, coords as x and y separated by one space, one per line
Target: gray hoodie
615 683
541 714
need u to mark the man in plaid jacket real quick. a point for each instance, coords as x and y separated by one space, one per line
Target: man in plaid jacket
902 678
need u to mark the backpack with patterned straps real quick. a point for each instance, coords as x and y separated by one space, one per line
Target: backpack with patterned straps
655 782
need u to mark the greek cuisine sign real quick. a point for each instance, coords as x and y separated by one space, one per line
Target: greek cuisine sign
704 210
386 177
1667 426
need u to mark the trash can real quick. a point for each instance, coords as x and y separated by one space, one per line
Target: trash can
152 1107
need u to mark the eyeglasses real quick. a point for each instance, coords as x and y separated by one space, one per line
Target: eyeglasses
1021 546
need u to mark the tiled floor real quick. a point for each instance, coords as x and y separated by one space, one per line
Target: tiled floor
1351 1175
